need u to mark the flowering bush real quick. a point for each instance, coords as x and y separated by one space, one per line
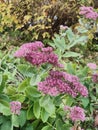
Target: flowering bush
41 90
37 93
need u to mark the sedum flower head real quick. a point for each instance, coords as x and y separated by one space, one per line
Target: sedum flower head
15 107
88 12
26 48
92 66
59 82
76 113
37 54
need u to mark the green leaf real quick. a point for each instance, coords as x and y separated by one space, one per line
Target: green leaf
47 103
19 96
57 100
23 85
35 124
82 30
44 115
22 118
71 68
6 126
59 124
59 43
29 127
85 102
78 40
68 100
3 83
3 102
30 113
11 90
31 70
15 120
4 107
35 80
71 54
4 97
67 127
0 78
26 70
32 93
52 44
83 72
1 119
22 69
44 101
36 109
58 52
70 35
47 128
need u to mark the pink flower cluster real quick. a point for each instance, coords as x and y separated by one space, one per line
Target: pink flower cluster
37 54
88 12
61 82
95 78
76 113
62 27
92 66
15 107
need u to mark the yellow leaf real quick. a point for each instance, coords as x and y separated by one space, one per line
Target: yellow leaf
46 34
27 17
19 26
1 29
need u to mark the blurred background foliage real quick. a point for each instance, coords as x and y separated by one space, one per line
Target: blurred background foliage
36 19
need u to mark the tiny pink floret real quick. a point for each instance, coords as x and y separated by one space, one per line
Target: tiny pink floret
62 27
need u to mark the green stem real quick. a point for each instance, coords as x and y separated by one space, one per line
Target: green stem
11 123
51 125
